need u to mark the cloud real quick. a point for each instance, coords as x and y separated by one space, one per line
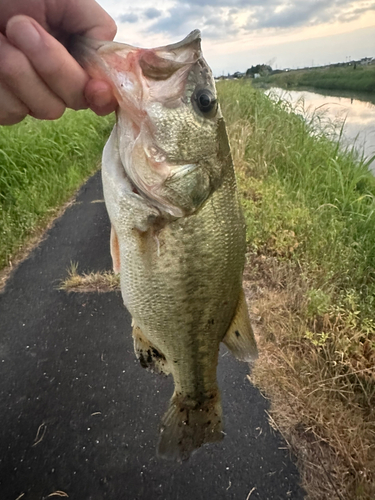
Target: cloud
230 19
176 17
152 13
289 16
354 14
137 16
128 18
309 13
223 18
185 17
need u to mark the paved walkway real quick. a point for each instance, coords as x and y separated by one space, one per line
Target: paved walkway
78 413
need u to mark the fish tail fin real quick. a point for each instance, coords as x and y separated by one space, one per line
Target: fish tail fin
240 338
187 425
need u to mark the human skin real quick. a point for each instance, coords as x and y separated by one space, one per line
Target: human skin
38 76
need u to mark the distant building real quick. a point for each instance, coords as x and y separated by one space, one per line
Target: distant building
367 60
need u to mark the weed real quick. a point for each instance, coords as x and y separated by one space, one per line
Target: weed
93 282
362 78
41 165
309 205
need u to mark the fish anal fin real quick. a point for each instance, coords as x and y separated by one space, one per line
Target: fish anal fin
186 426
240 338
148 356
115 251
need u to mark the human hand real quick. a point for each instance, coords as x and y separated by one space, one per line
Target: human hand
38 76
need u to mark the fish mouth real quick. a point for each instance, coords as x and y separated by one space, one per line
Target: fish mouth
114 61
136 74
142 80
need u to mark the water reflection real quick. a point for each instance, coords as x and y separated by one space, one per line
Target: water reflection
358 114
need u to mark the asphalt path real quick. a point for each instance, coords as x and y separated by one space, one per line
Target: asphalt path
80 417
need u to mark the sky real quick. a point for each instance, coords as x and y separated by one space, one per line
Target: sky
237 34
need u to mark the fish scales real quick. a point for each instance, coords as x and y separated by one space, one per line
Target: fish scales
178 234
192 262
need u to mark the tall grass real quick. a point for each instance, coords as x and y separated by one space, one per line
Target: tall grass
302 168
310 210
41 164
360 79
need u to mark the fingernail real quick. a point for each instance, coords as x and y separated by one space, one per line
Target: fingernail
23 33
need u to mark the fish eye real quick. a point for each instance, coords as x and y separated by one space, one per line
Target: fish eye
205 100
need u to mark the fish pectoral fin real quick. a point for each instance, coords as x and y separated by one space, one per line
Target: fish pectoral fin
148 356
115 251
187 425
240 338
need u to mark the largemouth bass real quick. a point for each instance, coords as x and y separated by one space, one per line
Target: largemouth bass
178 234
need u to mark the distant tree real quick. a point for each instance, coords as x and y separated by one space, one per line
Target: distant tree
261 69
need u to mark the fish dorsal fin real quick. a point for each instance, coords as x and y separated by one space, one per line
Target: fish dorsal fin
240 338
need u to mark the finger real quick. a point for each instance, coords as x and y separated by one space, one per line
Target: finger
50 59
19 76
12 110
88 19
33 8
100 97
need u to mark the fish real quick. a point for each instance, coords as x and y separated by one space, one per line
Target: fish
178 235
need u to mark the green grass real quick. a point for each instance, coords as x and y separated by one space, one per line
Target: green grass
310 210
325 194
361 79
41 165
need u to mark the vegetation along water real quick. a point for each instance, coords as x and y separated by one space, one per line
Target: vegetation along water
310 276
352 109
345 77
310 211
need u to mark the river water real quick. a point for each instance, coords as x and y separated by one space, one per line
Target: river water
358 111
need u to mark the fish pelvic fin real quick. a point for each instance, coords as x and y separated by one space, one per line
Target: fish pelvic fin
115 251
187 425
147 354
240 338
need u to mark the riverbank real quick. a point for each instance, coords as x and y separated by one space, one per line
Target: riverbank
42 164
355 110
310 277
360 79
310 212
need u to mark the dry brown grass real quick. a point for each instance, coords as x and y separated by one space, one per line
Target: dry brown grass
319 401
104 281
